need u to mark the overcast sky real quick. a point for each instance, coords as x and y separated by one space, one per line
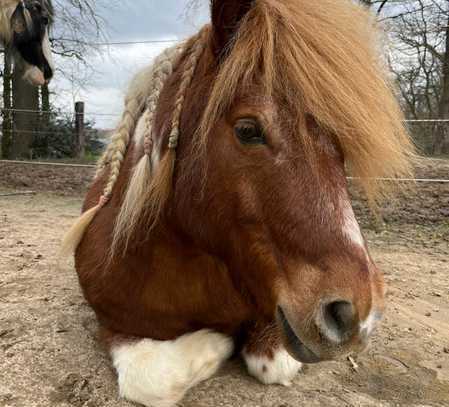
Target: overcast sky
140 20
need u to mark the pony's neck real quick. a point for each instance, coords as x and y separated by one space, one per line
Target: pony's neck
174 276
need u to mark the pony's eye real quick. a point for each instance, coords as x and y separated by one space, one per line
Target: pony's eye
249 131
45 20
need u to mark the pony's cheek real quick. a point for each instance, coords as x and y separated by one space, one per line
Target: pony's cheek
34 76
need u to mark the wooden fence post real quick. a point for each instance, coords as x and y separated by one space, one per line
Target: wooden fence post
7 125
80 144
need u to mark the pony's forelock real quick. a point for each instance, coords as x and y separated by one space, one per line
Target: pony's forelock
5 23
6 11
323 60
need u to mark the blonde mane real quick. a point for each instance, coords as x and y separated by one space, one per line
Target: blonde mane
321 58
7 8
5 23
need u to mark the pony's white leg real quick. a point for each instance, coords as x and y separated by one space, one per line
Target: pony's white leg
277 368
158 373
266 358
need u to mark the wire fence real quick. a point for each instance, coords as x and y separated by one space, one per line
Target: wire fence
92 166
117 43
51 112
47 164
55 112
117 114
423 131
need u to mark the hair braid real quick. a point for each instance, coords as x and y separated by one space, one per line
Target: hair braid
161 74
148 82
186 80
152 81
120 143
147 193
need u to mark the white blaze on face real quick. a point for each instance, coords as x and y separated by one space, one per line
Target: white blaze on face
34 75
351 228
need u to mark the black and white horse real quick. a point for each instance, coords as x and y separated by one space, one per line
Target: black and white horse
24 27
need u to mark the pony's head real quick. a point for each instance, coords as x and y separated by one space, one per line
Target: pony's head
24 26
287 96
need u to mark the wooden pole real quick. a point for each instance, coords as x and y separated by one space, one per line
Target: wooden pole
80 145
7 124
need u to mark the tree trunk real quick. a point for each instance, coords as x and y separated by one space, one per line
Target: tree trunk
45 120
7 105
441 145
25 99
45 95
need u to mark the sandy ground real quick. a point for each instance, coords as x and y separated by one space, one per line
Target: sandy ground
49 355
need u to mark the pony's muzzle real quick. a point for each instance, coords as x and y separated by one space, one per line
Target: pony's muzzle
292 342
34 76
336 330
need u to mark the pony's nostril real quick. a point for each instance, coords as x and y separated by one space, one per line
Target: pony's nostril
339 320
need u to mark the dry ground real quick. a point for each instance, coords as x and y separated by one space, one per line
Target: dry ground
49 355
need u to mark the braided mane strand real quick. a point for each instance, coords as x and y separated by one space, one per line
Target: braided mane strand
147 192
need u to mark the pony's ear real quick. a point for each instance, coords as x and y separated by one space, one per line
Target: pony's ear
226 17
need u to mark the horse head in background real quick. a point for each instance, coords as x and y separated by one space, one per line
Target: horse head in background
24 26
221 214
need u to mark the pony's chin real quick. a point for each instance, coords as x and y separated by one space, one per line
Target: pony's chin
293 344
35 76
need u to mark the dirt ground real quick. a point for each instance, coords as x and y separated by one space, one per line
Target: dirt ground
49 355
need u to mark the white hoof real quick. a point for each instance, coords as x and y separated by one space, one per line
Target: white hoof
281 369
158 373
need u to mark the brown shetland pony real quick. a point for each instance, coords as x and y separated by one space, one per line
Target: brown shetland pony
221 209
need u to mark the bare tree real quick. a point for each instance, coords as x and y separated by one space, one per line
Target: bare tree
79 25
420 60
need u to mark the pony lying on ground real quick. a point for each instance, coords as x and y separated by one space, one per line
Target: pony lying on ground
220 218
24 27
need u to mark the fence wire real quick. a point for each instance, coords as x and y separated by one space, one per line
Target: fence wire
426 134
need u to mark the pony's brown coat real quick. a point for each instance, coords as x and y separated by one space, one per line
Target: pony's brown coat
223 250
